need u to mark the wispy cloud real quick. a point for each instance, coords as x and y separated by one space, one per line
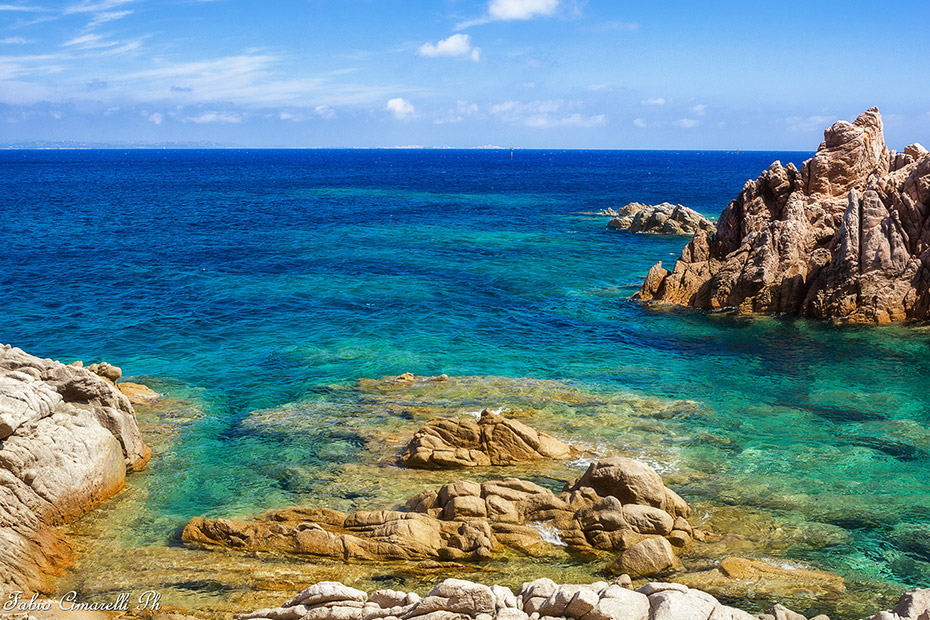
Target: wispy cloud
400 108
639 122
462 111
545 114
324 111
15 41
456 46
215 117
808 124
686 123
20 8
615 26
699 109
655 101
511 10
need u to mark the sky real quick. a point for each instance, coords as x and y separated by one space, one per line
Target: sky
611 74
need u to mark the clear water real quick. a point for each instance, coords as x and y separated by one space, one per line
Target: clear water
257 286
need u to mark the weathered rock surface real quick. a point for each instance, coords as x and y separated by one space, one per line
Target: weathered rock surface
456 599
746 578
847 236
490 440
67 439
660 219
465 520
914 605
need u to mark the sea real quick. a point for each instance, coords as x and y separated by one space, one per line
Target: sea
254 288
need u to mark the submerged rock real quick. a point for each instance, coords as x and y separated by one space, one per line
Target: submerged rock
67 439
847 236
742 577
660 219
490 440
465 520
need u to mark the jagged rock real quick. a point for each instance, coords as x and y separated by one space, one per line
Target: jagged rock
491 440
67 439
742 577
847 237
464 520
660 219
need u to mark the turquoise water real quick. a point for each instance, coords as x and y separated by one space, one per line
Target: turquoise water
249 282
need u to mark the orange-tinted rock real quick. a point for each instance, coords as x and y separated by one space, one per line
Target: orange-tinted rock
490 440
845 237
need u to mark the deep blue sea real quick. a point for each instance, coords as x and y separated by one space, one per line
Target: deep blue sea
246 281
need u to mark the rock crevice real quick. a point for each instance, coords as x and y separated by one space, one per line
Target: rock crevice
847 236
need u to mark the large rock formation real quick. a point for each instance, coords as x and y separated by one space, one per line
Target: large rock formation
67 439
490 440
847 236
618 504
660 219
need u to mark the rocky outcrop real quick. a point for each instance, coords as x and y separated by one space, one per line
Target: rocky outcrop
456 599
915 605
618 504
660 219
67 439
846 236
490 440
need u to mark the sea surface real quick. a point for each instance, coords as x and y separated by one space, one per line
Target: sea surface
255 287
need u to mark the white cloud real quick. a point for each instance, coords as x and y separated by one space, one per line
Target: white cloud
686 123
15 41
156 117
107 16
324 111
400 108
456 46
639 122
597 88
462 110
809 124
521 9
655 101
215 117
545 114
510 10
699 109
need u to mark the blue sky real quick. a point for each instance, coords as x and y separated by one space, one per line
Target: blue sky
461 73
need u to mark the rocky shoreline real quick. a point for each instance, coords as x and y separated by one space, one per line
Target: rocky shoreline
845 237
68 437
542 599
619 514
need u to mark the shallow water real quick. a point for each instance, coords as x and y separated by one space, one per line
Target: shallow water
255 287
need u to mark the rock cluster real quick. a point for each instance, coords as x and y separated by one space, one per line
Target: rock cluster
847 236
543 599
914 605
490 440
67 439
618 505
660 219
